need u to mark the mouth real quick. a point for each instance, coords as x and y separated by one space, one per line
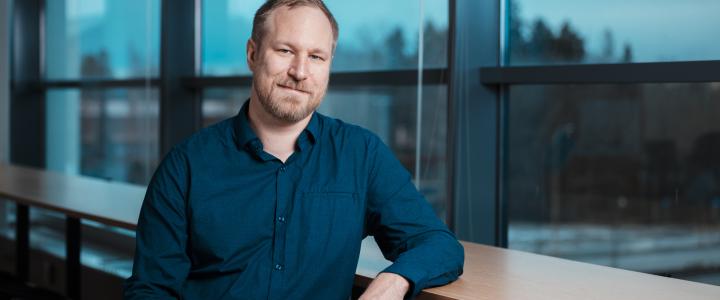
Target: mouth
293 89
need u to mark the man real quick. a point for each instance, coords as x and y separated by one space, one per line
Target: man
274 203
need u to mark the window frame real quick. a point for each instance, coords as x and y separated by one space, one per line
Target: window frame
180 84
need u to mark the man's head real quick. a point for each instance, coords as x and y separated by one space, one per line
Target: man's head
290 53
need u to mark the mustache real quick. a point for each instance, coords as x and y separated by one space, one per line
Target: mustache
300 86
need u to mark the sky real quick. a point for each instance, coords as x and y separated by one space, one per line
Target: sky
359 17
657 30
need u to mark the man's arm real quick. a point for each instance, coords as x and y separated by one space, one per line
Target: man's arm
161 263
386 286
421 247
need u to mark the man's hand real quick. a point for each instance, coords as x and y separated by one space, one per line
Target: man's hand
386 286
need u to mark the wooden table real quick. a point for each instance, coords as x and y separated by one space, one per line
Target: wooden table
497 273
490 272
111 203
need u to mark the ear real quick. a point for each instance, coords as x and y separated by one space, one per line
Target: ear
251 51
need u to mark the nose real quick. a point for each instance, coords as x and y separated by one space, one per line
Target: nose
298 68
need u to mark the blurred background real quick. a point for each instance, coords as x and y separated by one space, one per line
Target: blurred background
580 129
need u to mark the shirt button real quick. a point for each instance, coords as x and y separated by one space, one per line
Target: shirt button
278 267
281 219
282 169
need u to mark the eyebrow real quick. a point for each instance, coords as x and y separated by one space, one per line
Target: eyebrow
311 50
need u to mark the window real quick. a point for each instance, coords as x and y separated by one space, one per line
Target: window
94 39
226 27
619 175
110 133
101 111
105 133
614 31
615 171
372 35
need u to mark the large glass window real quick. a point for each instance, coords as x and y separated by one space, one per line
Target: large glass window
226 28
107 129
7 234
373 36
106 133
102 38
110 133
621 175
612 31
222 103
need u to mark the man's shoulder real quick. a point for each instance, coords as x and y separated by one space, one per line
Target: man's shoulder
347 131
215 136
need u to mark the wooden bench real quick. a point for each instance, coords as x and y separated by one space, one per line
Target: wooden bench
490 272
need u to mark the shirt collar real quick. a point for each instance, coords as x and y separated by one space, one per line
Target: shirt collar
243 131
246 138
313 127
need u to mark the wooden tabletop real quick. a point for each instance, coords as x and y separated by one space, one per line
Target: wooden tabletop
111 203
490 272
497 273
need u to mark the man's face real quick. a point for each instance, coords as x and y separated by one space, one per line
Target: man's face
291 65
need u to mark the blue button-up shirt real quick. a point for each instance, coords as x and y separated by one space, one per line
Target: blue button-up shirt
223 219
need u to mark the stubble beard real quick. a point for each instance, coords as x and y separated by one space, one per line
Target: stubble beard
288 108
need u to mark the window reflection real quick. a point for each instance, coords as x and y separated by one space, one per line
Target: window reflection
620 175
222 103
613 31
111 134
93 38
370 39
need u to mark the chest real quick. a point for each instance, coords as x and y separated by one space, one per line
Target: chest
250 210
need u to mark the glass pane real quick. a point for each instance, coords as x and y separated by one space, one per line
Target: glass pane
47 231
222 103
102 38
626 176
7 235
106 248
111 134
389 112
613 31
226 27
373 36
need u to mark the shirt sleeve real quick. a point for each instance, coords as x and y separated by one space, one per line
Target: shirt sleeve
421 247
161 263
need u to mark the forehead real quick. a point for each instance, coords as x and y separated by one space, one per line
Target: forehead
303 26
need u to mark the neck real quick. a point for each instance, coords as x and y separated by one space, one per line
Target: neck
278 137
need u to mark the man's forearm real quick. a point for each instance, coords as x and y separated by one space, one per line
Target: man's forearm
386 286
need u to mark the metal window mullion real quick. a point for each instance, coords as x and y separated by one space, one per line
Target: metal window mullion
660 72
180 113
27 102
476 119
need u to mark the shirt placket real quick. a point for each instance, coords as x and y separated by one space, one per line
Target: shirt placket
278 257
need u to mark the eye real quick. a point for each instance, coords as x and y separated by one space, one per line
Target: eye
284 51
315 57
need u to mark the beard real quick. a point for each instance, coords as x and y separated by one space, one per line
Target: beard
289 108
